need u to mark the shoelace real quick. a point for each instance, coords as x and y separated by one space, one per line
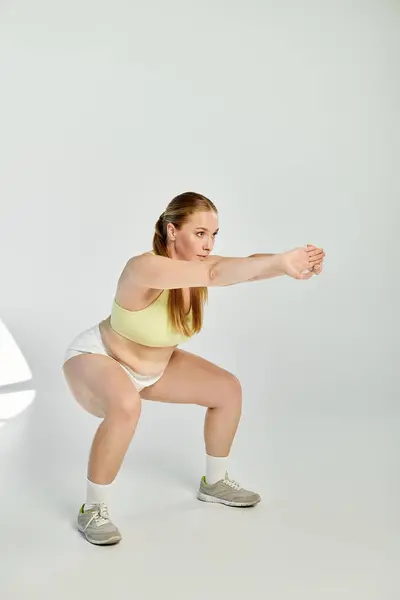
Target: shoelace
100 515
231 483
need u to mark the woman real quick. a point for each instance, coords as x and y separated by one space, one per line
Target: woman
132 355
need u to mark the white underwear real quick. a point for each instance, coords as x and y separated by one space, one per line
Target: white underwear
90 342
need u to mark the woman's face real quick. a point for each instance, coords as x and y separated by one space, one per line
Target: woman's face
195 240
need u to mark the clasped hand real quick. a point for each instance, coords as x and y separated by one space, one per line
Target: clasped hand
304 262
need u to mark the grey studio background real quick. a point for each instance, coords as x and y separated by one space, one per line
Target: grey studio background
286 116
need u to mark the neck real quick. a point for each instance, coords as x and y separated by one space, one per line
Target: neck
172 252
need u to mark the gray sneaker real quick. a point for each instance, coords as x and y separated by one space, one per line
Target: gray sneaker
226 491
96 526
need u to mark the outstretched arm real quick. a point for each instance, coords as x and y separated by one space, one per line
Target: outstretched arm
300 263
317 254
266 274
160 272
269 267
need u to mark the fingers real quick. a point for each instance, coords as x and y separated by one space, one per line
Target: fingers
315 255
315 252
315 259
317 269
306 275
303 275
313 249
306 264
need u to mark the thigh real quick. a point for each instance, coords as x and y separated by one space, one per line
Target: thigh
100 385
190 379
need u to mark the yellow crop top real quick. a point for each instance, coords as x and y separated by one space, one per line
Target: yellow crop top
149 326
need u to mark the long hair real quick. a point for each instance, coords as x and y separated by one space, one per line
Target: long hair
177 213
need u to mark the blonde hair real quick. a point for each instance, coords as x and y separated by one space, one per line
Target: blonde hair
177 212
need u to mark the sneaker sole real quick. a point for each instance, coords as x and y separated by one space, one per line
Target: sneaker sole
108 542
207 498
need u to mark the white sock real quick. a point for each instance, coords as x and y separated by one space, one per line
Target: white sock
96 493
216 468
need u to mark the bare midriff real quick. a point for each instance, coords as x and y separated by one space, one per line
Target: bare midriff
142 359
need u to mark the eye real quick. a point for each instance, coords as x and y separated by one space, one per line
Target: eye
200 233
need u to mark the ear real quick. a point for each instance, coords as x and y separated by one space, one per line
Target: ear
171 232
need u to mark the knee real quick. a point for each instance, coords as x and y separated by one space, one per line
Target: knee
126 409
233 391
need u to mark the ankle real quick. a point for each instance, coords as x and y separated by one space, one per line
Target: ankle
97 493
216 467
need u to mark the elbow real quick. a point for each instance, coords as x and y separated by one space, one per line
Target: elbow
213 275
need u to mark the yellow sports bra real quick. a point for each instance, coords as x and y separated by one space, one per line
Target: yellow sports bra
149 326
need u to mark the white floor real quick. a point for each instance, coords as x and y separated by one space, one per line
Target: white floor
327 527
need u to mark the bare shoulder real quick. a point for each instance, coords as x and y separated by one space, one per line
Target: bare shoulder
131 265
149 270
129 294
137 259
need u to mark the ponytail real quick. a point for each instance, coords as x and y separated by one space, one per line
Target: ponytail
176 213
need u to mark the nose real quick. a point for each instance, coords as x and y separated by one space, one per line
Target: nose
207 244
